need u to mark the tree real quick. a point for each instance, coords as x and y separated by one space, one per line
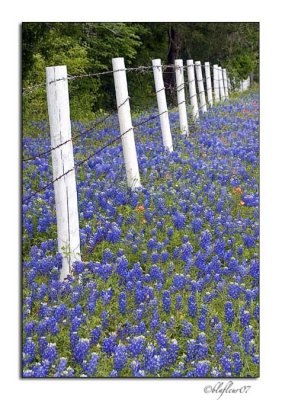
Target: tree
89 47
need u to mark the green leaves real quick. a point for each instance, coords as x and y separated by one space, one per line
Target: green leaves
89 47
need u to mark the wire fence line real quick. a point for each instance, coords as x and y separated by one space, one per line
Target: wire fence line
80 134
81 162
64 163
140 69
83 133
171 88
110 115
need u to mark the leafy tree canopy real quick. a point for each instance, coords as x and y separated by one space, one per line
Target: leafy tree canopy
89 47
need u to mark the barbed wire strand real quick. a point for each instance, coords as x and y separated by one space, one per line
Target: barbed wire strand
92 155
83 133
73 138
141 68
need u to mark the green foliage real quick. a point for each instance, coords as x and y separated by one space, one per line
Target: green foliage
90 47
232 45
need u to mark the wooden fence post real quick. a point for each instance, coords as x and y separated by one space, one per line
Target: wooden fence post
179 74
225 83
221 87
125 124
198 68
162 104
252 79
62 162
208 83
216 82
228 82
192 89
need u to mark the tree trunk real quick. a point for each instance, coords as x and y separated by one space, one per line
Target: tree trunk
173 51
252 79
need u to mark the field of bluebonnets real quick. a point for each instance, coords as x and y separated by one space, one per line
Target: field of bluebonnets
169 283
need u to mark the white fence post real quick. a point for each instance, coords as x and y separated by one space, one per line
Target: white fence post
221 87
228 82
125 124
246 83
216 82
179 74
198 68
162 104
208 83
62 162
192 89
225 83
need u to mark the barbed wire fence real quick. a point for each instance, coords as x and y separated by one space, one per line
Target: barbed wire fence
62 141
141 69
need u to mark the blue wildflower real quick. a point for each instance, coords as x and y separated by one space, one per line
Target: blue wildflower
95 335
81 350
90 367
179 220
202 369
219 344
62 365
114 234
50 353
192 306
244 317
105 319
197 224
109 344
29 351
120 358
238 365
229 312
136 345
178 282
78 267
234 290
166 301
122 303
